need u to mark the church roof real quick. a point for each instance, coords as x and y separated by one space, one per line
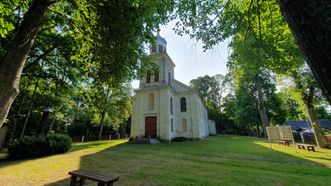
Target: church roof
165 55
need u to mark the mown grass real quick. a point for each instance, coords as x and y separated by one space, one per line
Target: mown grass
222 160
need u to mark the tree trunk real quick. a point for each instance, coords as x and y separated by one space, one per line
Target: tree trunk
30 109
320 139
16 118
310 110
52 124
101 124
13 61
310 22
261 106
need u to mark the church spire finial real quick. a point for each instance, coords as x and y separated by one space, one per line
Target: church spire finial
158 31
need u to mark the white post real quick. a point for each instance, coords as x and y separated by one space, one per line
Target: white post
302 138
83 138
126 136
118 136
109 137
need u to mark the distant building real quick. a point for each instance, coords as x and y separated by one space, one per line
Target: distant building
164 107
299 125
212 127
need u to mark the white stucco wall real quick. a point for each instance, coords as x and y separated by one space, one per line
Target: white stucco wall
196 115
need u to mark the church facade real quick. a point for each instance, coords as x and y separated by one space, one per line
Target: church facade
163 107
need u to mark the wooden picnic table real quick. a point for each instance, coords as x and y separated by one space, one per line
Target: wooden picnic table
78 177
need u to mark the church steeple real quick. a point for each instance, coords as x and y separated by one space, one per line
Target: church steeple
160 44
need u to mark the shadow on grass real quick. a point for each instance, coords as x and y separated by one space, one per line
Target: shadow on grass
226 160
6 161
80 146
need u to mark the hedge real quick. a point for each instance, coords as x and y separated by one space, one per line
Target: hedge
36 146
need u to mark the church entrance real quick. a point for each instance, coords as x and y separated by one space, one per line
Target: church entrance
150 126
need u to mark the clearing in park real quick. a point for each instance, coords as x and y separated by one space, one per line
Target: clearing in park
222 160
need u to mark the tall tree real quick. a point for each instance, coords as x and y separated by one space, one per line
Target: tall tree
101 28
112 103
13 61
208 88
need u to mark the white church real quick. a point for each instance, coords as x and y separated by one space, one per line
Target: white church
163 107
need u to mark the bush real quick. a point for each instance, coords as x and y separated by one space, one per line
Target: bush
32 146
179 139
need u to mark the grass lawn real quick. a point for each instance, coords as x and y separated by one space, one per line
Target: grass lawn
222 160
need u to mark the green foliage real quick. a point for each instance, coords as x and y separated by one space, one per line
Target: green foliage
211 90
77 128
323 113
113 34
80 43
7 7
115 102
32 146
292 108
214 21
208 88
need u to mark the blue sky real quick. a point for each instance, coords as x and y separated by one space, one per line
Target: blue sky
191 62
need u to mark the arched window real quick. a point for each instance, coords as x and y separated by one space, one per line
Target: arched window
184 125
151 101
148 77
172 125
153 48
160 48
156 76
171 106
183 104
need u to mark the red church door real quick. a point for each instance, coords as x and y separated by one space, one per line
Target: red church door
150 126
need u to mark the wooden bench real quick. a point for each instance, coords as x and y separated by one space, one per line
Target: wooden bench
284 142
83 175
309 147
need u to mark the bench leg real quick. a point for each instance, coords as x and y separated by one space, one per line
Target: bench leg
73 180
311 149
301 147
100 184
82 181
110 184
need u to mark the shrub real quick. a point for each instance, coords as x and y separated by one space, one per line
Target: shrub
32 146
179 139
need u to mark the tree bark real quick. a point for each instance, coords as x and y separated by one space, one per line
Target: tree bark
261 106
16 118
101 124
13 61
310 21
